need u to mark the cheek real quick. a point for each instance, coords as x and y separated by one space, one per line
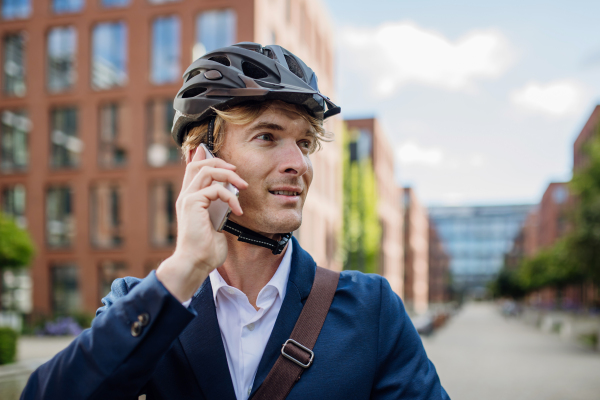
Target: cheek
308 176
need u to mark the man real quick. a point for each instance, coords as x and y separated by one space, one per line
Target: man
210 323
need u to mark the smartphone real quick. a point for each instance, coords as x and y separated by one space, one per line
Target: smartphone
219 210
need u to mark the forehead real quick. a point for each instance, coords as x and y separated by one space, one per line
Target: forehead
281 116
276 119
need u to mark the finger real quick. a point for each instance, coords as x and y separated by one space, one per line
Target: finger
199 155
208 175
195 166
213 193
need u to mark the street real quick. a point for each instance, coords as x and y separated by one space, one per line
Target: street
479 355
32 352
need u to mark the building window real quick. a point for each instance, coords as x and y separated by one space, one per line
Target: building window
109 55
214 29
67 6
115 3
105 215
16 9
65 145
60 222
162 214
13 203
62 46
108 271
112 150
14 64
165 50
14 132
65 289
162 149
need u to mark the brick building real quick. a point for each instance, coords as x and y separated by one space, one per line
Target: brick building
86 161
416 253
526 241
372 139
591 127
439 268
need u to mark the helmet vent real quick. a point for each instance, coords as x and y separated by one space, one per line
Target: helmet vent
253 71
192 74
221 60
193 92
294 66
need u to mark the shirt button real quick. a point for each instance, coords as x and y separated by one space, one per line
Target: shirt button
250 327
249 391
230 290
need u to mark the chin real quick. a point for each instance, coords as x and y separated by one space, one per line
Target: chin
283 221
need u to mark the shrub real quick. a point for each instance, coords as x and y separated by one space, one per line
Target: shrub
61 326
8 345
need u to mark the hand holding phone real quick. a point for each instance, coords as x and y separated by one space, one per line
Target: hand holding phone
202 207
219 210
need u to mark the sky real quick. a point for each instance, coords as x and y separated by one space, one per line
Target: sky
481 100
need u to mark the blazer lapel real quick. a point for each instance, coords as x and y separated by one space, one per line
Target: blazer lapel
302 275
203 346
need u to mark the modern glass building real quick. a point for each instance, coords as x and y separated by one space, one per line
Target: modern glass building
476 238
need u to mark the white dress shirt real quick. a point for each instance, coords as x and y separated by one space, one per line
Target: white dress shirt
244 330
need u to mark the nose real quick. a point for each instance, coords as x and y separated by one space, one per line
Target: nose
293 160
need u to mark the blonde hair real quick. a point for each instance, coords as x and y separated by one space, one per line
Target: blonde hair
245 113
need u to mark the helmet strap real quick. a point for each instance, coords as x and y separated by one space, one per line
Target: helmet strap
249 236
210 133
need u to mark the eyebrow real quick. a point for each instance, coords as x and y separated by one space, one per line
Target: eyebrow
267 125
274 127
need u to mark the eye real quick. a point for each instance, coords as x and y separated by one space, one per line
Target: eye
306 144
265 136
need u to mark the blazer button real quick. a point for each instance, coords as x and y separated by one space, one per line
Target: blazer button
136 329
143 319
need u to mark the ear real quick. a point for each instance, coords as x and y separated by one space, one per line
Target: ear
189 155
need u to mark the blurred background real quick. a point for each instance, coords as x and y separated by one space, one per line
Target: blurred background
465 168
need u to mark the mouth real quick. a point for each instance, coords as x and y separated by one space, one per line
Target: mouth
284 193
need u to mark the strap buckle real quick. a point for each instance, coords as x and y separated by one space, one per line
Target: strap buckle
291 358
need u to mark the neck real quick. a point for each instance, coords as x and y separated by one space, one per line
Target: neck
249 268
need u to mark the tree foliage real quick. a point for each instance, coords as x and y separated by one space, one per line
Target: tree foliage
584 239
361 228
16 247
575 258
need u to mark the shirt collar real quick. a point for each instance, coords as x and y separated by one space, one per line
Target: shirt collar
278 281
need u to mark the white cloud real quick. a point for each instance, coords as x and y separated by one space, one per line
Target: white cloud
477 161
395 54
558 98
412 153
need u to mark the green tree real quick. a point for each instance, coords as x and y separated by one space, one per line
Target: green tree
552 267
584 239
16 247
361 233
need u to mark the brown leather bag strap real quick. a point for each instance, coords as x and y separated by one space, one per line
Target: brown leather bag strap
296 352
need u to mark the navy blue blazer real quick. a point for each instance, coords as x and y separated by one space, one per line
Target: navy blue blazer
368 347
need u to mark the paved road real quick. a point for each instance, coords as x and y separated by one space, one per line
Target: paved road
481 356
32 352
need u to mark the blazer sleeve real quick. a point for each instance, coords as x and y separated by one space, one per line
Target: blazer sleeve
403 369
112 360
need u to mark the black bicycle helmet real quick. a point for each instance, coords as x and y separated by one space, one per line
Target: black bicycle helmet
243 72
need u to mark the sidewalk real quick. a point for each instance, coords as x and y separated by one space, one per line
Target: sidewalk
32 352
481 355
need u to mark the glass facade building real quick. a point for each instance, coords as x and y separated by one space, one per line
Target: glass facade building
476 238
